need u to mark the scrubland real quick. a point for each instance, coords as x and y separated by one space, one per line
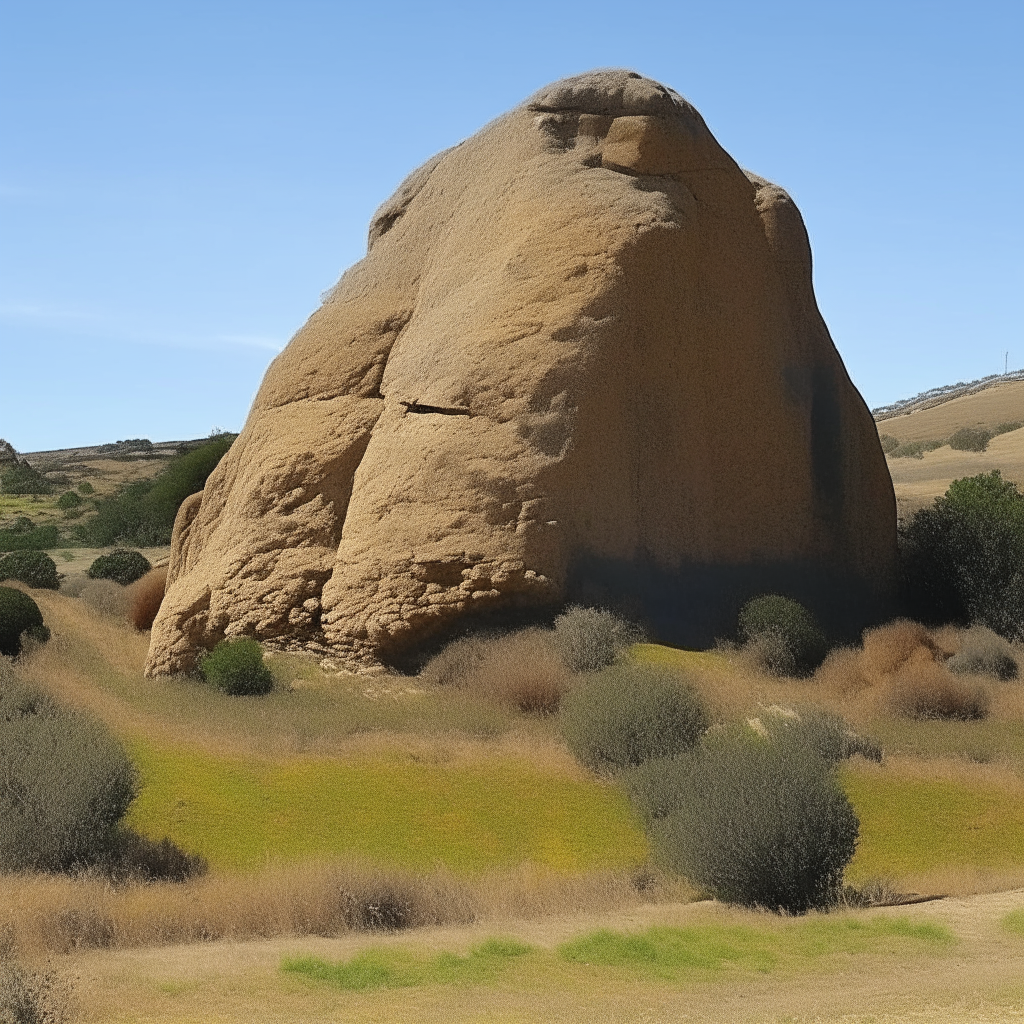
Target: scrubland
405 847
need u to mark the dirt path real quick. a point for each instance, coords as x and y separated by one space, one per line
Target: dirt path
979 978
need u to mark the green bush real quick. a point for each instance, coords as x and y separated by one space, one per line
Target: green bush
33 568
783 633
86 488
984 653
143 512
35 538
121 566
69 500
65 784
757 822
631 713
963 558
889 443
1008 427
19 616
21 478
970 439
590 639
236 667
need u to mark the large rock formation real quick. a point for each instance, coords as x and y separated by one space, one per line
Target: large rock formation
582 360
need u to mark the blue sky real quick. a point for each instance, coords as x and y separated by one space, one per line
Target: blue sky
180 182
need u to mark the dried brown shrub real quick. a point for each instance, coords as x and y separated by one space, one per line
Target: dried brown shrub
891 646
522 670
145 596
925 690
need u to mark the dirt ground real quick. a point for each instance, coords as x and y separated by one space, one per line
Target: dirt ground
980 978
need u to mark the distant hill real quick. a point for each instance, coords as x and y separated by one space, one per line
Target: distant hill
934 416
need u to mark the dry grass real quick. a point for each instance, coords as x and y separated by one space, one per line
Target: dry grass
59 914
522 670
927 691
145 597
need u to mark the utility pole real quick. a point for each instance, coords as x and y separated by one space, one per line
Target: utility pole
1006 363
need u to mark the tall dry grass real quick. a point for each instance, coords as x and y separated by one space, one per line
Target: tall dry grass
524 670
58 914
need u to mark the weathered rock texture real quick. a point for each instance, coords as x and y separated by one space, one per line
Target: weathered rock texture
582 359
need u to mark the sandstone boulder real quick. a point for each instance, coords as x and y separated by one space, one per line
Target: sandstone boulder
581 360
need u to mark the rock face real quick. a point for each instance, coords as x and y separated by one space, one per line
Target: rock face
582 360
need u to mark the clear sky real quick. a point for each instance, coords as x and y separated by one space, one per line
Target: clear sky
180 181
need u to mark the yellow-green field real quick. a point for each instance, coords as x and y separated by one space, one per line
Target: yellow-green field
243 812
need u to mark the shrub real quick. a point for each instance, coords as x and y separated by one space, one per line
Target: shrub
86 488
236 667
928 691
146 596
65 783
758 823
592 638
984 653
21 478
783 634
629 714
143 512
889 443
30 996
825 734
33 568
887 648
121 566
1008 427
963 558
914 449
970 439
131 857
69 500
35 538
19 616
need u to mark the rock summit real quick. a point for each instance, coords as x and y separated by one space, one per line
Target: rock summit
581 361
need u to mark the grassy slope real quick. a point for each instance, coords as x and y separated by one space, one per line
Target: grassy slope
229 778
414 779
239 812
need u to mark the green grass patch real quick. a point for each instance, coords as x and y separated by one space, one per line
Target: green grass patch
395 968
674 657
1014 922
678 954
240 813
909 825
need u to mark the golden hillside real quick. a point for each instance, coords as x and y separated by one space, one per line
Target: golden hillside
918 481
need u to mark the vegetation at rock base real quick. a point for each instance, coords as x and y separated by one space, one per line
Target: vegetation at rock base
782 634
237 668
